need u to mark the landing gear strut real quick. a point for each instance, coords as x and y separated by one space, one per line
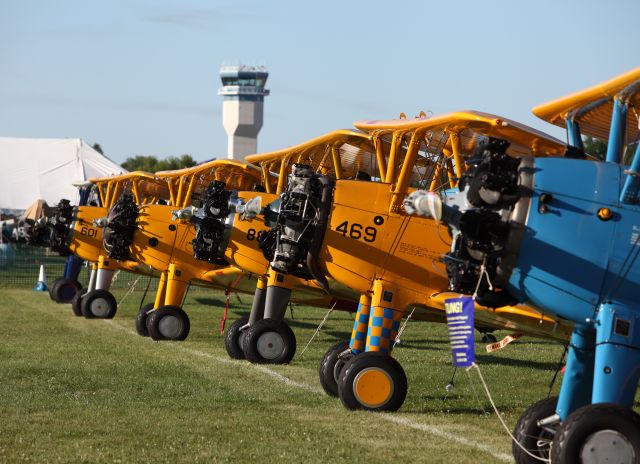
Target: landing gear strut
269 340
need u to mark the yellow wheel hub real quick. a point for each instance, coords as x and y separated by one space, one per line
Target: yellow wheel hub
373 387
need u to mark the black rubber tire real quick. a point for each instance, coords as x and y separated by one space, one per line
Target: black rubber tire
148 320
108 311
76 302
527 432
331 366
377 360
232 342
52 288
141 320
179 333
583 422
63 290
283 333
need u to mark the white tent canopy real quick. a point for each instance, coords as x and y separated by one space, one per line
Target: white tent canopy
32 169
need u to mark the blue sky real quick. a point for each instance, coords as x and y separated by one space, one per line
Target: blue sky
141 77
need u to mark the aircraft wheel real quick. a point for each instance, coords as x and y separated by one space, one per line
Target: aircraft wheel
269 341
63 290
52 286
98 304
527 432
601 432
141 320
331 365
168 323
372 381
77 301
235 337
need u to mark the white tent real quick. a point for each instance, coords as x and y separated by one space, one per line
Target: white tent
32 169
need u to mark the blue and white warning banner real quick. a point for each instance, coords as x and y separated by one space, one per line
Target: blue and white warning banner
460 322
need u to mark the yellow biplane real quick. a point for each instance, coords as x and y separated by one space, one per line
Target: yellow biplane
591 112
353 233
160 236
79 231
73 232
224 230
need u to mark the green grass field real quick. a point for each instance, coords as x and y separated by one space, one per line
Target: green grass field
77 390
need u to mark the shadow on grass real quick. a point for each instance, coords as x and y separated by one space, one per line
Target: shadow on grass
239 312
424 343
438 404
456 411
494 360
296 323
530 341
301 325
208 301
426 346
337 335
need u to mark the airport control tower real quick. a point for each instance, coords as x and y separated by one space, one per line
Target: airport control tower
243 91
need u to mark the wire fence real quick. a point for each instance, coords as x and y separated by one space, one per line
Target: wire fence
20 267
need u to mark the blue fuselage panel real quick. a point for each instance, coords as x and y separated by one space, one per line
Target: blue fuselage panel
570 259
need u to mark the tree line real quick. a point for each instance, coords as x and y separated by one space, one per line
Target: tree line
598 148
149 163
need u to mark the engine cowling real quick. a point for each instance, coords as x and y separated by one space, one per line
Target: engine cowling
292 245
120 228
60 225
210 224
491 187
